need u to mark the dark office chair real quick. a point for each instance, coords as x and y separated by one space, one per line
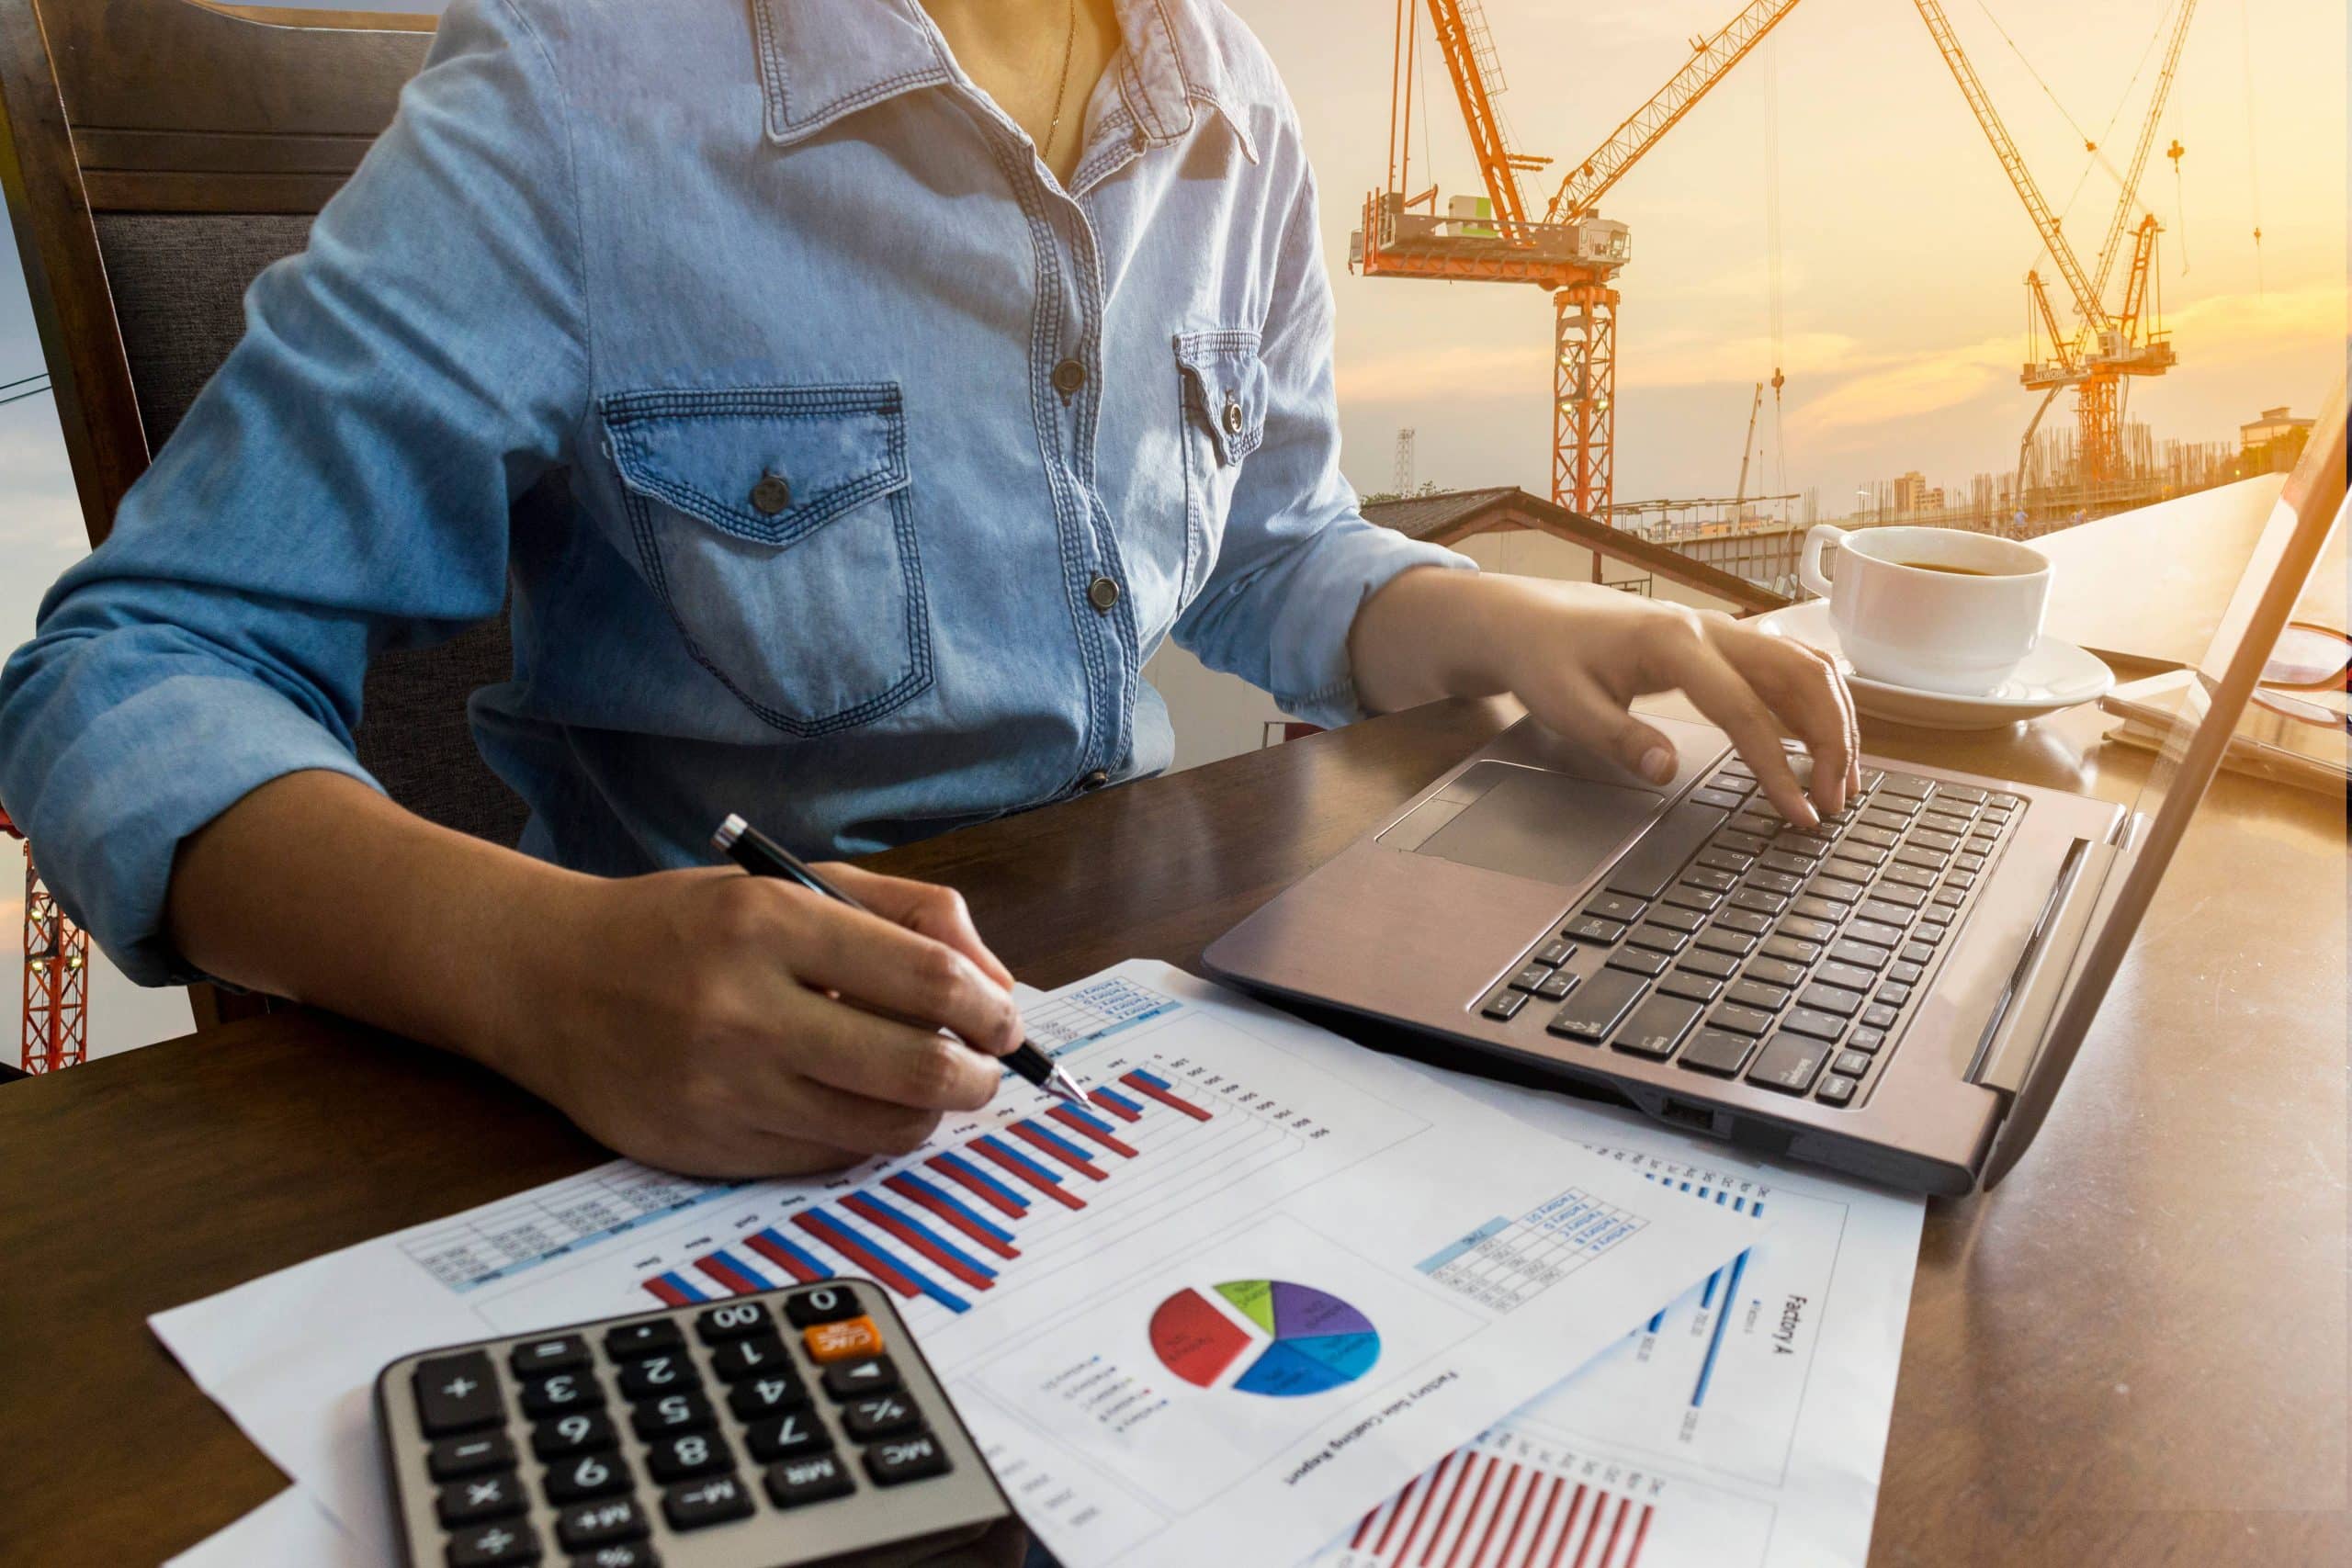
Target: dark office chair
157 155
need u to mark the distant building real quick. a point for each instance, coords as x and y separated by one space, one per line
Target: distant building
2272 444
1911 492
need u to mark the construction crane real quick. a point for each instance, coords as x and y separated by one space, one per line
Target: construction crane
2105 346
57 976
1571 252
1747 450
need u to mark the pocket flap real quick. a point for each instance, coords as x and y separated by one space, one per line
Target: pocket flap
1224 385
764 464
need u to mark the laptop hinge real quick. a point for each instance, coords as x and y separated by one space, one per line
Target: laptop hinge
2013 1034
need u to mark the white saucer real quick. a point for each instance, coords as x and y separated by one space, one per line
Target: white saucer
2055 675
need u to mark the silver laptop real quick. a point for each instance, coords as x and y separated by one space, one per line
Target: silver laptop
1898 994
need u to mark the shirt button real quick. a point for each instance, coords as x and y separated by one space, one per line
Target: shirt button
1232 417
771 495
1094 780
1069 377
1102 594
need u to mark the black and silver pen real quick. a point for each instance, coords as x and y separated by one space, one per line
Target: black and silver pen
763 856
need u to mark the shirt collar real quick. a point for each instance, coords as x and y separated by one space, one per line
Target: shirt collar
820 60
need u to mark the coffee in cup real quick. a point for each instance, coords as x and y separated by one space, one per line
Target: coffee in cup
1932 608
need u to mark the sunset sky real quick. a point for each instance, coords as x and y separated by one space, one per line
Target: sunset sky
1902 248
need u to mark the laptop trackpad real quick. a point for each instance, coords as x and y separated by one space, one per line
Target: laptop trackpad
1527 822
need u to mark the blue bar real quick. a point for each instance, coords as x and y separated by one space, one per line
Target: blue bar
679 1283
1740 1205
1715 1343
1075 1114
985 1180
1707 1298
1657 1320
924 1230
1720 1196
964 1211
1154 1079
1686 1186
1064 1144
1024 1161
757 1275
834 1230
1756 1208
1702 1190
1121 1100
799 1254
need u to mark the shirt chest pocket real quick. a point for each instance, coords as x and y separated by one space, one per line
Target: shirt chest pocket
1221 385
777 524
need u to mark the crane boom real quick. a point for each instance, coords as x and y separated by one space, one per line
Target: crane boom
2123 204
1709 60
1739 500
1469 47
2045 222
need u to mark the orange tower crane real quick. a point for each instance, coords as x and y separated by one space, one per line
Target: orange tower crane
1570 253
57 976
2105 345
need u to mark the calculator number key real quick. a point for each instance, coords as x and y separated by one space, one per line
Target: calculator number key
796 1482
672 1413
787 1436
766 1396
585 1431
906 1459
560 1394
687 1455
457 1394
634 1339
731 1321
667 1372
691 1505
588 1475
825 1303
740 1359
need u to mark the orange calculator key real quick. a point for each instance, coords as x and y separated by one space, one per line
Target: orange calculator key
841 1341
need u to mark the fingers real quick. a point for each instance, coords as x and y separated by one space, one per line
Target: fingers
1574 705
1812 699
882 1060
937 912
888 968
1724 697
859 1125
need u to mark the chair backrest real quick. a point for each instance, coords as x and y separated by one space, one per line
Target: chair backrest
157 155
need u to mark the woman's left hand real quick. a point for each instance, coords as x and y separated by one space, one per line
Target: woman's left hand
1579 654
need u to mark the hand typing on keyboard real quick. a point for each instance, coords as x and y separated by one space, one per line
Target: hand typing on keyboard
1577 654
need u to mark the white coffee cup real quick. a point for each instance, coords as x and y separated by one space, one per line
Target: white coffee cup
1932 608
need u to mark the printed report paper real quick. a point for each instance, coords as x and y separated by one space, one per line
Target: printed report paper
1744 1426
1258 1287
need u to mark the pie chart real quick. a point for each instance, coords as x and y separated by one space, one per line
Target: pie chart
1264 1337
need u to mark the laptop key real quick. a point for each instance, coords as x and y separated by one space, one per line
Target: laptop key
1969 864
1908 876
1758 901
1709 878
1917 952
1930 929
1836 1089
1850 977
1778 883
1949 896
1740 1020
1859 954
1504 1005
1683 896
1658 939
1913 855
1811 908
1774 972
1673 919
1715 966
1592 929
1556 985
1790 948
1738 842
1593 1011
1852 1063
1615 906
1878 1015
1530 977
1968 793
1754 994
1743 920
1722 799
1906 973
1866 1040
1690 985
1715 1051
1832 998
1638 960
1720 858
1883 838
1885 911
1788 1063
1811 1021
1553 954
1909 785
1657 1027
1876 932
1902 898
1648 869
1836 889
1927 838
1805 930
1879 816
1853 861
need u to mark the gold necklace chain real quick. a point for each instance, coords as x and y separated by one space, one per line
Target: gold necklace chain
1062 89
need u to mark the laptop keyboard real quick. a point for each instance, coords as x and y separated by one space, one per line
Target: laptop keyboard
1738 945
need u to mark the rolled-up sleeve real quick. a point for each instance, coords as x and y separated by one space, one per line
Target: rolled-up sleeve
1297 560
339 488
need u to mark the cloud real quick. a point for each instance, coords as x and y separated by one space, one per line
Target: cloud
2231 329
1460 370
1905 385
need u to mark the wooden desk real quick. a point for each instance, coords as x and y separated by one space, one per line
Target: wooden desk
2135 1352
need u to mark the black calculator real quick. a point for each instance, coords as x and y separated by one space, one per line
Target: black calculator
793 1426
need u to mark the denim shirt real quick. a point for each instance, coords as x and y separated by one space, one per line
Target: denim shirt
839 465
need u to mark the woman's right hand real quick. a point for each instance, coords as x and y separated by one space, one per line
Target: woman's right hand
703 1021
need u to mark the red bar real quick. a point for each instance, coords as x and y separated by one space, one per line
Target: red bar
1594 1529
1076 1123
1115 1109
1402 1498
979 1189
667 1292
1427 1498
1568 1524
1495 1518
1467 1520
1012 1167
947 1213
860 1205
1364 1529
1166 1098
1550 1500
735 1280
781 1258
846 1244
1641 1534
1045 1145
1446 1518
